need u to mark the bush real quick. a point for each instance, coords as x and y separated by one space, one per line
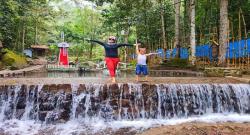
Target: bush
133 63
1 65
177 62
8 61
13 60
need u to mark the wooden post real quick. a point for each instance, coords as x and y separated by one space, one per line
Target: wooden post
23 38
245 45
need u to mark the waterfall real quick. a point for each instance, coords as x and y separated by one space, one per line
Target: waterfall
123 101
30 101
118 102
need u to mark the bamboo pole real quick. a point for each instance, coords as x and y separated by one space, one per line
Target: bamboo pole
233 51
228 45
245 45
23 39
239 38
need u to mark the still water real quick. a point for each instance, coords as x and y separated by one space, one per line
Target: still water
120 74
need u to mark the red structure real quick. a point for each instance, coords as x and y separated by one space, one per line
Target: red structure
63 55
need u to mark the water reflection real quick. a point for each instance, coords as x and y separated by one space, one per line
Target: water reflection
100 74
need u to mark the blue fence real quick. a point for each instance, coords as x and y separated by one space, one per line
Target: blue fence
171 54
235 49
238 49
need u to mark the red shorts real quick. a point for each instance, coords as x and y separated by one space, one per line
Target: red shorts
112 65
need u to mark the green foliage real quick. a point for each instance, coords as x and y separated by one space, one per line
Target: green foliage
24 23
27 22
54 49
141 18
1 65
177 62
133 63
79 23
214 73
13 60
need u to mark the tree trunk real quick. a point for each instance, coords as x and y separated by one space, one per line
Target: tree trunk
23 38
126 49
192 34
186 21
92 34
163 29
91 50
36 34
177 27
223 31
163 26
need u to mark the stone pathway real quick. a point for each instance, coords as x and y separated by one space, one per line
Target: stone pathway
152 80
244 78
12 73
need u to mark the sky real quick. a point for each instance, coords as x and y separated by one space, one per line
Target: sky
71 4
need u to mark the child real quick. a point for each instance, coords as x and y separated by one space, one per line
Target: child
111 55
141 66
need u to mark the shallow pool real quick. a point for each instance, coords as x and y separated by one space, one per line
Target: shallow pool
121 74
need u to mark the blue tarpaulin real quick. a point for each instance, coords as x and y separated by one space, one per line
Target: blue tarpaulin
238 49
183 53
234 50
171 54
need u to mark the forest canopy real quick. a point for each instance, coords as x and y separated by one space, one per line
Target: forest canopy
24 22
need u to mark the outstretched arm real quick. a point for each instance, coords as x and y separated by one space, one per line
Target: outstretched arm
137 49
98 42
121 45
151 54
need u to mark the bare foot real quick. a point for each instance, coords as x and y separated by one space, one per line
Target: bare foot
146 78
137 78
113 80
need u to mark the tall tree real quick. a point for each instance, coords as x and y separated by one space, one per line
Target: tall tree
163 24
177 4
192 34
223 38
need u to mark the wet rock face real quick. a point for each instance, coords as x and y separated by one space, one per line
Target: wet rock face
60 103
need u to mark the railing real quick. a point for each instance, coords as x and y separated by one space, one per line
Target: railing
63 68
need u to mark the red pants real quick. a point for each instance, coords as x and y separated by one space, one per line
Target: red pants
112 65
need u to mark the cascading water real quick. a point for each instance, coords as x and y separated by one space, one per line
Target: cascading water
100 105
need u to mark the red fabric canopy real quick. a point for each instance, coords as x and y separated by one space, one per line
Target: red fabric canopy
63 56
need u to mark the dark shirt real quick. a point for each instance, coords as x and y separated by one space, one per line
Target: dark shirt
110 50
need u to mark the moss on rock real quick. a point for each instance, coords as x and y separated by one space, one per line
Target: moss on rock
13 60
